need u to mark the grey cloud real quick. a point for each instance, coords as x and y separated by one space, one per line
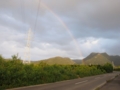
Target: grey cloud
85 19
113 47
90 18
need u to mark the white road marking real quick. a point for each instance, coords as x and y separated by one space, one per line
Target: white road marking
81 82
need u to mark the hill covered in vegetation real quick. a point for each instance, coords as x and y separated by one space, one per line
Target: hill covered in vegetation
115 60
57 60
92 59
77 61
101 58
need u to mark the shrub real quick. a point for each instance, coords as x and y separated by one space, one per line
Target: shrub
15 74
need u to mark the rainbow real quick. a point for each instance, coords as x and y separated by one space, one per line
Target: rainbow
64 25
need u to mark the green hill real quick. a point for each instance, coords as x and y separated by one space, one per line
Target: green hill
115 60
90 56
58 60
77 61
93 58
97 58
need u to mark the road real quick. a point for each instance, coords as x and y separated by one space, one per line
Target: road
87 83
112 85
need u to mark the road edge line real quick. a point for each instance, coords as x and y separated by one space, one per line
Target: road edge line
99 86
107 81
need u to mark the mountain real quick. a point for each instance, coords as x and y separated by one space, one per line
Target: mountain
93 58
58 60
97 58
115 60
77 61
90 56
101 58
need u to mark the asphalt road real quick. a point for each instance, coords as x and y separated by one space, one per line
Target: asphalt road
112 85
87 83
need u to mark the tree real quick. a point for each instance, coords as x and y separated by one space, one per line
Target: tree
108 67
15 57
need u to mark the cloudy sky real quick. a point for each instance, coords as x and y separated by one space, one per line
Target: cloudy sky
67 28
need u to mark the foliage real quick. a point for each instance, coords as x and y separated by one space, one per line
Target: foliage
59 61
14 73
117 68
97 59
108 67
101 59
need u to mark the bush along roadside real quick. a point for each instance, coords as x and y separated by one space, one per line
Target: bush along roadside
15 74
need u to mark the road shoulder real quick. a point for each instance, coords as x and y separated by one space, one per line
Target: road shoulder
112 85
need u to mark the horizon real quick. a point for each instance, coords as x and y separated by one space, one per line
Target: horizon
64 57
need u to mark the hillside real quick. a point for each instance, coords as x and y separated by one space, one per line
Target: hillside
115 60
90 56
97 58
77 61
58 60
93 58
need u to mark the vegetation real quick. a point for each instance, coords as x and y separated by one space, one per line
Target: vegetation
115 60
58 60
92 59
77 61
15 74
108 67
117 68
97 59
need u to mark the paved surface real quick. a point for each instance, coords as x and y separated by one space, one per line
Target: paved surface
87 83
113 85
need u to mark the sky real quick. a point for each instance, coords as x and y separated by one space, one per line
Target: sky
66 28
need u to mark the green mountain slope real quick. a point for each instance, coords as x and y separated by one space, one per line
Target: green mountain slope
93 58
77 61
115 60
58 60
97 58
90 56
